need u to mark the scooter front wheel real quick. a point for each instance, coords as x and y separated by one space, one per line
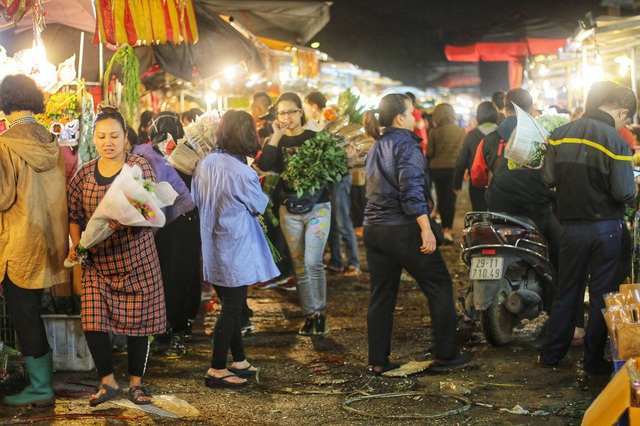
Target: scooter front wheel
497 322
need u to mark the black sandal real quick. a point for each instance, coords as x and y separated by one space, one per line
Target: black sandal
109 394
244 372
137 392
221 382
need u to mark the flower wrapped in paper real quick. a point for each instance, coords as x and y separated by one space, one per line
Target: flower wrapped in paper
527 145
131 201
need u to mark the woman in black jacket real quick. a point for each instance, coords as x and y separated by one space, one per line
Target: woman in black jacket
486 116
398 234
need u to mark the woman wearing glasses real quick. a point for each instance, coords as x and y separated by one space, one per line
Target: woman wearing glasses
306 233
121 276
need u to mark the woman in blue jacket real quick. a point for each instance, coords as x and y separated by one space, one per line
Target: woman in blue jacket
398 234
234 249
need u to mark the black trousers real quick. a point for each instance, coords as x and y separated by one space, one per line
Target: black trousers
24 308
389 249
589 248
178 245
99 344
358 203
443 180
277 239
478 200
227 331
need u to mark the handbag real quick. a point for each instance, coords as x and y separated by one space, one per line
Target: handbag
300 205
437 230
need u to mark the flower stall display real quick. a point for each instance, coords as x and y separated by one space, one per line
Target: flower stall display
130 96
199 141
527 145
131 201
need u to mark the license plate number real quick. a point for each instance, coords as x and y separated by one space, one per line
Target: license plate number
486 268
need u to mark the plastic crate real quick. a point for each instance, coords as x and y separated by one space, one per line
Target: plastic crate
66 337
8 333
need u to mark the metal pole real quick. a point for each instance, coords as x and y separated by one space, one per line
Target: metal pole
634 82
585 89
81 55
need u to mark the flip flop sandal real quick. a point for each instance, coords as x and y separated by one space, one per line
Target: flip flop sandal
243 372
220 382
109 394
137 392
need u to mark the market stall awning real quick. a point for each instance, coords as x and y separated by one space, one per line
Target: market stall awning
289 21
513 41
220 45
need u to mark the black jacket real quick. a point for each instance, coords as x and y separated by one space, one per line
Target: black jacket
468 152
589 163
520 191
397 180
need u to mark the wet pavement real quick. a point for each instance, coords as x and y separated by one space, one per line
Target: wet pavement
323 380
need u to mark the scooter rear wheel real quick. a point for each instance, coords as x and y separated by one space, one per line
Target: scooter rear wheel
497 322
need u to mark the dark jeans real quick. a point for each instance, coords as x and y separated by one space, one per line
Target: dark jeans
341 225
277 239
227 332
24 308
443 180
389 249
100 347
358 203
588 248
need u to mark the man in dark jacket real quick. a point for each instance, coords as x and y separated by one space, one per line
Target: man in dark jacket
589 164
519 192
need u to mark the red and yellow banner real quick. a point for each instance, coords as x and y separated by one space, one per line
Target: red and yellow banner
145 22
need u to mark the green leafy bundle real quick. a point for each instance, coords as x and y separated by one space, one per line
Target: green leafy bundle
131 79
316 162
348 105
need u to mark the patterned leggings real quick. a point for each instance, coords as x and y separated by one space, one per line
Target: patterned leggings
100 346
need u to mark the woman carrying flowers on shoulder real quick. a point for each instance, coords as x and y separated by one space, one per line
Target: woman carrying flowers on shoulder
235 252
121 277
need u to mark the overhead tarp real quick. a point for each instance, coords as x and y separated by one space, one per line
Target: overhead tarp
220 45
512 41
289 21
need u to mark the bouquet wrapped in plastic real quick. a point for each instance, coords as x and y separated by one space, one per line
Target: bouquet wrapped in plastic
199 141
527 145
131 201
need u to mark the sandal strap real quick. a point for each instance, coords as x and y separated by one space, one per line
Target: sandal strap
134 389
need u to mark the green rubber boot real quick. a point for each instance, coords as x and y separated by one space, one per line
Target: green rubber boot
40 390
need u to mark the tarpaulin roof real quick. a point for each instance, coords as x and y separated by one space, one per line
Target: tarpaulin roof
512 41
290 21
220 45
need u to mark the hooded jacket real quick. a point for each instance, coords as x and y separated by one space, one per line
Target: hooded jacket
34 229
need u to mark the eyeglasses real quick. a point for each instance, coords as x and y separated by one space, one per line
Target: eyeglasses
288 113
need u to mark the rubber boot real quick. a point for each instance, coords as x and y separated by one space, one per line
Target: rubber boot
40 390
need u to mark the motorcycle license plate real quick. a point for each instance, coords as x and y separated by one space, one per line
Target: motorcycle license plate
486 268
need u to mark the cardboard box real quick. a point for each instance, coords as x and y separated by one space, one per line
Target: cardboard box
613 402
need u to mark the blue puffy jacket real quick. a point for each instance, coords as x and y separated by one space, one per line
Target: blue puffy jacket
397 180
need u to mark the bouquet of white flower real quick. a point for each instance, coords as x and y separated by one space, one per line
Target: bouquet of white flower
131 201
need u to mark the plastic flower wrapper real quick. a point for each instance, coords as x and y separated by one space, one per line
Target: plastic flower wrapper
527 145
199 141
131 201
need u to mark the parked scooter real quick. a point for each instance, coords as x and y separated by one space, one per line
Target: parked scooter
510 274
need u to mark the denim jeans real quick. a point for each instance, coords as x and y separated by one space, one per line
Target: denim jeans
306 236
341 225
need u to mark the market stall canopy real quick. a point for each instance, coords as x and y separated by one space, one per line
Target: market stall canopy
220 45
513 41
290 21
